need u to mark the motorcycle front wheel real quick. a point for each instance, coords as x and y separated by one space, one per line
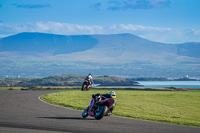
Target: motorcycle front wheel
101 112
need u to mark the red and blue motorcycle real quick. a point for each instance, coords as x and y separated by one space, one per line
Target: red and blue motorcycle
99 107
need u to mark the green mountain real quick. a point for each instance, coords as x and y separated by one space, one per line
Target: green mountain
41 55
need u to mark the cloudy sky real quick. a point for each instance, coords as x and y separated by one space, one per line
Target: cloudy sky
168 21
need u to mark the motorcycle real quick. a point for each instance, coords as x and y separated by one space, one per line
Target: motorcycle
98 110
86 85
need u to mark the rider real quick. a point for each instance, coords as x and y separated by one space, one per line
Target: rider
89 79
100 97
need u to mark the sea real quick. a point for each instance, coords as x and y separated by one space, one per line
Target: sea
176 84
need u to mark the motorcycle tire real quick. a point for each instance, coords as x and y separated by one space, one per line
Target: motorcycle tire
101 112
83 87
85 113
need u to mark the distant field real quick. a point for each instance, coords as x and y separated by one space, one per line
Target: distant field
10 88
178 107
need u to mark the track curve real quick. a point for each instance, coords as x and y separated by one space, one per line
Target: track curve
22 112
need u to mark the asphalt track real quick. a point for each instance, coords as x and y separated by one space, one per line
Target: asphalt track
23 112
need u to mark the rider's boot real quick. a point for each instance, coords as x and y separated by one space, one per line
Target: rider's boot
109 113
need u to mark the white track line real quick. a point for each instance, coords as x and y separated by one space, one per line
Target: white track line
55 105
111 116
75 109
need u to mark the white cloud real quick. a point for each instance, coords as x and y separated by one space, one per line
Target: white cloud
196 32
52 27
159 34
132 27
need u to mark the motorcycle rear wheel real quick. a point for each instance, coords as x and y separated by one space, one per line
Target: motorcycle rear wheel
84 87
85 113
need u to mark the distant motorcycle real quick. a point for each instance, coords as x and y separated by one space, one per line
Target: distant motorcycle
100 110
86 85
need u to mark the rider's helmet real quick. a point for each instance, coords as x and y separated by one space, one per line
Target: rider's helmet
89 75
112 94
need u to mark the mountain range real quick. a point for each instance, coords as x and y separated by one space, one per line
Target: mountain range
39 54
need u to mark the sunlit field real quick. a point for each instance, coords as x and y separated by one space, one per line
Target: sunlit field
178 107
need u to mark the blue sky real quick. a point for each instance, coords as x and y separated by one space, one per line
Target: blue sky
168 21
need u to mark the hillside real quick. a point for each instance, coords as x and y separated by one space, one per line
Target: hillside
66 80
107 47
126 48
41 55
46 43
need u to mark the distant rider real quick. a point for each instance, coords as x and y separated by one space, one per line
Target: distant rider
100 97
89 79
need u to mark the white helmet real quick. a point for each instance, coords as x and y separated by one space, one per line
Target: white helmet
90 76
112 93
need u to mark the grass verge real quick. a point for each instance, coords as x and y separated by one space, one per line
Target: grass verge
177 107
10 88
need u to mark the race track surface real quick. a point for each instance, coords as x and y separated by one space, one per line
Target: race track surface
23 112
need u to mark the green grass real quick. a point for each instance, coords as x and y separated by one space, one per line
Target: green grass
177 107
10 88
